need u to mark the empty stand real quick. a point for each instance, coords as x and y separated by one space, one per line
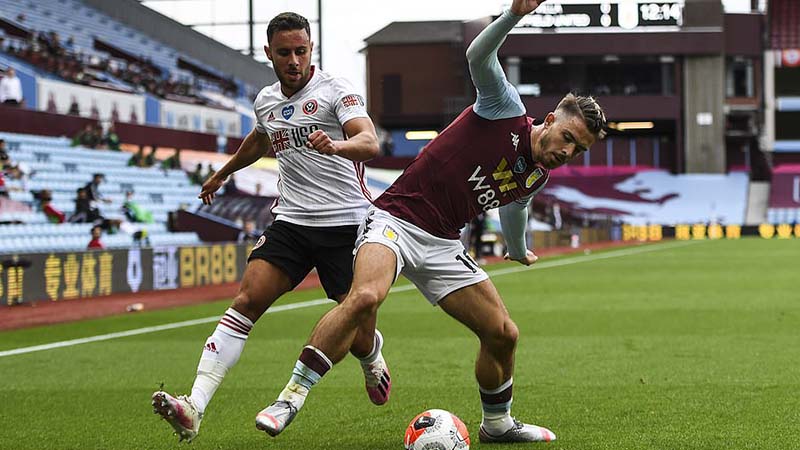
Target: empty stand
62 169
94 33
784 16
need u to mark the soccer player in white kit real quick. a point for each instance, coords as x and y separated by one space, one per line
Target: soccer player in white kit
318 129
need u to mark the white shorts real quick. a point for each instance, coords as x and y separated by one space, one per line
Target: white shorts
436 266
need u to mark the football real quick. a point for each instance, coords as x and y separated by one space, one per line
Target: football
436 429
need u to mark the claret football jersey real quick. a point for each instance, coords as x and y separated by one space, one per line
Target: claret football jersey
315 189
474 165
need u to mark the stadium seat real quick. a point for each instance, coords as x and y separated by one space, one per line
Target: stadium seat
156 190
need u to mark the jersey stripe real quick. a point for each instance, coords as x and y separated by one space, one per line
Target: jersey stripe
359 167
277 199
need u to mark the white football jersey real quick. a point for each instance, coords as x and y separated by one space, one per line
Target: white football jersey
315 189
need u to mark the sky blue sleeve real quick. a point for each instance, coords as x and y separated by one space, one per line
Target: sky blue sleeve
514 220
497 98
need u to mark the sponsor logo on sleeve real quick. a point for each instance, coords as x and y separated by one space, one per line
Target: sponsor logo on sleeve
287 112
271 117
351 101
310 107
535 175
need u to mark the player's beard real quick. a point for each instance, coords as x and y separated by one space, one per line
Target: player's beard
294 84
546 157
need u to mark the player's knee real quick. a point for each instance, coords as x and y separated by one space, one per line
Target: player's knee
363 302
505 336
245 305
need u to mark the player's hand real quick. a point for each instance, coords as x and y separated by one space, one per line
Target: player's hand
524 7
211 186
321 142
529 258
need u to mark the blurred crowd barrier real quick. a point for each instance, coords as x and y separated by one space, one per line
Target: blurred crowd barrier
83 274
702 231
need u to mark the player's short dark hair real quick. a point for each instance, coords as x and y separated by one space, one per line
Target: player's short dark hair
587 109
286 22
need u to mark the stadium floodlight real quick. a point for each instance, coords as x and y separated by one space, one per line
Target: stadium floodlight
623 126
425 135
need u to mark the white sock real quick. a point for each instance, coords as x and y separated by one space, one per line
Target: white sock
497 424
376 350
220 353
309 369
497 414
294 393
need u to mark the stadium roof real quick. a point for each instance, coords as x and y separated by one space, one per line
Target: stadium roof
418 33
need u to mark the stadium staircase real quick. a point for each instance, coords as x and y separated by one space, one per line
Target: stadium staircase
62 169
757 202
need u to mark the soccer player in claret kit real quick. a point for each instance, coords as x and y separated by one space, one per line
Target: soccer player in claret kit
491 156
319 130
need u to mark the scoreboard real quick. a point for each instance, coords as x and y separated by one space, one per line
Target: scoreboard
612 15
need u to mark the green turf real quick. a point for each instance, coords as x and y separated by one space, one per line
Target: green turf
692 346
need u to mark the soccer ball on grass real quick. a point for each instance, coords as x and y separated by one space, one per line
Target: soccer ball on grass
436 429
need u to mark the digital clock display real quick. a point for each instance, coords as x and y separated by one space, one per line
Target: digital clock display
660 12
610 15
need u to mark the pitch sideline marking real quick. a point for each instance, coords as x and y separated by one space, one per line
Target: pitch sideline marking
316 302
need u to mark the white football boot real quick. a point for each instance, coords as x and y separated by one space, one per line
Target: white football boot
519 432
180 412
276 417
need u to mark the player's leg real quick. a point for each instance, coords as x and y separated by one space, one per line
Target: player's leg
375 271
277 263
261 285
334 262
481 309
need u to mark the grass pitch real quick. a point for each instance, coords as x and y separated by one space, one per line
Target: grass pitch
689 346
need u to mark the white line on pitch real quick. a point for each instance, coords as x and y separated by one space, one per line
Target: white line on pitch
309 303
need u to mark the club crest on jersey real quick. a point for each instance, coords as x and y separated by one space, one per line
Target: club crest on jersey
520 165
389 233
535 175
287 112
270 117
260 242
310 107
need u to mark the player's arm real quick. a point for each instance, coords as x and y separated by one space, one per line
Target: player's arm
514 220
254 146
497 98
361 143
